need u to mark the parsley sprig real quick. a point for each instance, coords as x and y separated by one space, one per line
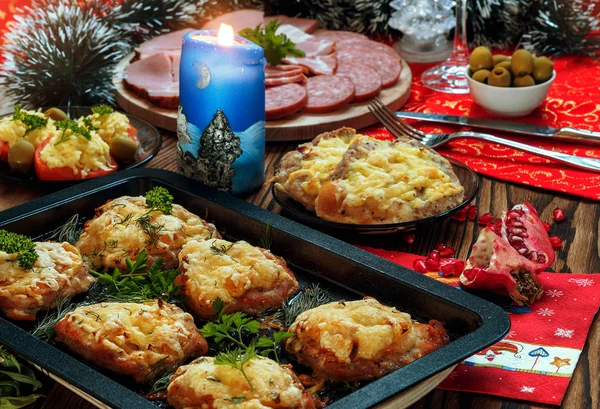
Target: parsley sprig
237 359
12 243
229 326
159 199
73 128
140 283
270 345
102 110
32 122
276 46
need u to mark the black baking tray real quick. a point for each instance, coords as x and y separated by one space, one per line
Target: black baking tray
349 272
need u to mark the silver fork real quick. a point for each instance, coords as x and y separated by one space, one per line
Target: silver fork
399 128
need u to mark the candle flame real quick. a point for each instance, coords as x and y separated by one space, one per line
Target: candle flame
225 36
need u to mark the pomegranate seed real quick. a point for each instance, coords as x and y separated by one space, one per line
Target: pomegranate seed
409 238
546 226
434 255
451 267
485 219
447 252
558 215
419 266
471 273
432 265
440 246
556 242
472 212
461 215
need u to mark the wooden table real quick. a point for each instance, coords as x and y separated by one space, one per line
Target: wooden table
580 254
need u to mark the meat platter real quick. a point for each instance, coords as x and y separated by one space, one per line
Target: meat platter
330 86
346 272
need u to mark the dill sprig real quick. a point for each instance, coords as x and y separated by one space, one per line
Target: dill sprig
153 231
12 243
44 328
267 239
309 299
237 359
68 232
74 128
32 122
102 110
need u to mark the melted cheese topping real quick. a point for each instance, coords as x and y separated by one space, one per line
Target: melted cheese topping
355 329
116 232
397 172
110 125
77 153
12 131
58 269
274 385
219 268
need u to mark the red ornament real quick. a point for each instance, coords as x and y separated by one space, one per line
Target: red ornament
409 238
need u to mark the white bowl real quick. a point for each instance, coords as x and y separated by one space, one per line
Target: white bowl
509 102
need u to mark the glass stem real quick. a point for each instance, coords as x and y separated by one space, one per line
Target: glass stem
461 47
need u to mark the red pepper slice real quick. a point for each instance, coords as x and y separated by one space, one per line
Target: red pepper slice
61 173
4 148
132 133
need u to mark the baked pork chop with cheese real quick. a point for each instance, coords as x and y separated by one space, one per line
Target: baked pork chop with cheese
123 227
59 271
246 278
203 384
138 340
360 340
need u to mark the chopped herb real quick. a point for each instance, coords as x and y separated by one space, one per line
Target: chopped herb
68 232
309 299
102 110
276 46
94 314
32 122
163 382
212 379
237 359
12 243
153 231
227 324
236 400
125 220
159 199
74 128
222 250
271 345
44 328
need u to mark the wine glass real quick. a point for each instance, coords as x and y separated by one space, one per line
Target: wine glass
450 76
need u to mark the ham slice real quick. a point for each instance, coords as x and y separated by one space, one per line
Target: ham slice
338 35
153 78
320 65
305 42
304 24
239 20
167 43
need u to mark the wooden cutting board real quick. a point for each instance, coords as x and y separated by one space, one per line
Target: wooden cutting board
301 126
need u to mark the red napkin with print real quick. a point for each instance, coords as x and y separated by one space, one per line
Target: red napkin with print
572 102
537 358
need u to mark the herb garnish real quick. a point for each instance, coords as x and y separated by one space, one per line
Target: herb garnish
153 231
74 128
309 299
267 239
102 110
237 358
32 122
140 284
17 381
159 199
68 232
227 324
44 328
88 124
271 345
12 243
236 400
276 46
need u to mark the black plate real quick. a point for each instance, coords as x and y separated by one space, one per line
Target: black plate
467 177
148 137
349 272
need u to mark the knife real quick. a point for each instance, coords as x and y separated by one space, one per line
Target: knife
564 134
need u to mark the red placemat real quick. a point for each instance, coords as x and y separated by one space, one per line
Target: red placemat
536 360
574 101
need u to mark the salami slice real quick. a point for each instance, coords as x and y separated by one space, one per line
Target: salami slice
353 43
367 81
328 93
319 65
338 35
387 66
271 73
269 82
284 100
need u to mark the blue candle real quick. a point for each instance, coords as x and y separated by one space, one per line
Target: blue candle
221 117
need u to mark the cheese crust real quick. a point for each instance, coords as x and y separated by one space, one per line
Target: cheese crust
138 340
302 172
381 181
360 340
204 385
117 232
59 270
247 278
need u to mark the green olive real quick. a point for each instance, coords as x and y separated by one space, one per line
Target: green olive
481 59
123 148
499 77
481 75
521 63
524 81
20 156
503 64
500 58
56 114
543 68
